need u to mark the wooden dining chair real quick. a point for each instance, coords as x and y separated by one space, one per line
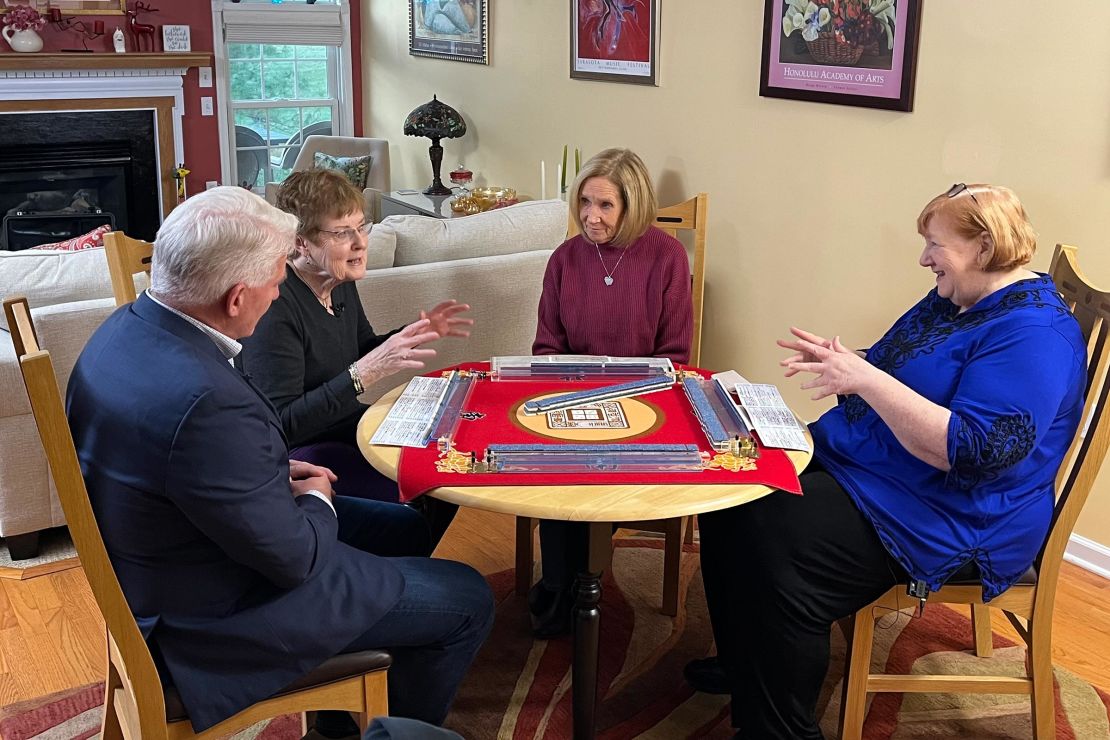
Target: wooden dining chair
136 706
127 258
690 215
1028 604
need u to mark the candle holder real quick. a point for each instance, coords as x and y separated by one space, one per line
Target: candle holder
54 15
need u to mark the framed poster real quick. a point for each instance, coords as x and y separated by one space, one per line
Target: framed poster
614 40
73 7
849 52
450 29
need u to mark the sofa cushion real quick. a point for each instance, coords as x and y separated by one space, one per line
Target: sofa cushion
381 246
91 240
423 239
48 277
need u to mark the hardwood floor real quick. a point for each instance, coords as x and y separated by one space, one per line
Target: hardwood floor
52 637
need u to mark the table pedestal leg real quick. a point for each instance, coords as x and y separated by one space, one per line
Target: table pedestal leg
587 628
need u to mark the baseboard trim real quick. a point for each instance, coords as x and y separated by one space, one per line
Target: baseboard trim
1089 555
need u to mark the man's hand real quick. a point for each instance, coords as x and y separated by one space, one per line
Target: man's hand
305 477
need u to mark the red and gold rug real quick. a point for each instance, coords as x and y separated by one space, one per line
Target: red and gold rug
519 689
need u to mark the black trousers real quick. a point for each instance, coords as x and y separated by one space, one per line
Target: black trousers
778 573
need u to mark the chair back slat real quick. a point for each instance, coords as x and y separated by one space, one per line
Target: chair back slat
127 258
137 666
1076 477
25 339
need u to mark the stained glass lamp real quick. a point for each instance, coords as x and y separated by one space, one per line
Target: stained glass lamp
437 121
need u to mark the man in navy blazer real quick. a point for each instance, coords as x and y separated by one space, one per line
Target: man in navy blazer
237 562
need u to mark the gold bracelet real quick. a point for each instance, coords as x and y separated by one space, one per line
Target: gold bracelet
356 379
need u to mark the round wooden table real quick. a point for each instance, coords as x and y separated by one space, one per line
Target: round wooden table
600 506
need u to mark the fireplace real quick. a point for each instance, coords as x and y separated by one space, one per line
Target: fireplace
75 170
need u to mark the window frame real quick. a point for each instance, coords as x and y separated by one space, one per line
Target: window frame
342 69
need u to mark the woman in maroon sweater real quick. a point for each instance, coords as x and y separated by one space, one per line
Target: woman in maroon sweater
621 288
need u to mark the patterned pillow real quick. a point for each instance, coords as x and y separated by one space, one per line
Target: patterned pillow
94 238
356 169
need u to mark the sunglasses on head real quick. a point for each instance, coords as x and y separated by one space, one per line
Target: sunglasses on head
959 188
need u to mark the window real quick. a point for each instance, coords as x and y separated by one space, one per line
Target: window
285 75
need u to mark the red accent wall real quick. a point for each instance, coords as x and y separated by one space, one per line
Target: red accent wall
200 133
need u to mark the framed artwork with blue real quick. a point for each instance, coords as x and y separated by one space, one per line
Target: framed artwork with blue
450 29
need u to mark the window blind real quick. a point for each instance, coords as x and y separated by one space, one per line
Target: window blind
312 25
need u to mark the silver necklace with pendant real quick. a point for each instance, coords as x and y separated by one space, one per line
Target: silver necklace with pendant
608 273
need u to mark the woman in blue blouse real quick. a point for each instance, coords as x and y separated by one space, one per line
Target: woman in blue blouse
941 454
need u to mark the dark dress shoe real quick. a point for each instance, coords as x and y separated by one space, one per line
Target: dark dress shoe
335 725
707 675
550 611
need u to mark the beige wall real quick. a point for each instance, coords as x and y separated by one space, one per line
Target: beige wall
812 206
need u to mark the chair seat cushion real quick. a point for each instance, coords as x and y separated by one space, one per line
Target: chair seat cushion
344 665
968 575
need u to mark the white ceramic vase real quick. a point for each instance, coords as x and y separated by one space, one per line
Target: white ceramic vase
27 40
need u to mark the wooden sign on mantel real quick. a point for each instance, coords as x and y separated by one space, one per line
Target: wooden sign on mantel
175 39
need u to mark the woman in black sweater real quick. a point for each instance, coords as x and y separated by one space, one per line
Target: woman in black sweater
314 350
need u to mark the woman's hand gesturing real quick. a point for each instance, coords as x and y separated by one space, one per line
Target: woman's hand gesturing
444 321
839 370
399 352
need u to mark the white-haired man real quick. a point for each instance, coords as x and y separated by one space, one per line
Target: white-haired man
237 562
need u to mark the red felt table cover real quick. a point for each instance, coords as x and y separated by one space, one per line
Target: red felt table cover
417 472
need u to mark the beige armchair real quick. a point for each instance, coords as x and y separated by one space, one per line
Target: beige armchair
347 146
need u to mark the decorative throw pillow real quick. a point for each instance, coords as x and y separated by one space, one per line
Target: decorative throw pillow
356 169
94 238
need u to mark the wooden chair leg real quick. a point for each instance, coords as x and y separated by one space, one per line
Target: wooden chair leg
1042 701
981 626
524 545
675 532
375 688
847 627
110 728
856 674
690 527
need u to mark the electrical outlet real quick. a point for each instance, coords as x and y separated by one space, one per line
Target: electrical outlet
205 76
208 185
206 106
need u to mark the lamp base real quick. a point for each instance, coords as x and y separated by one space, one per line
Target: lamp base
435 153
438 188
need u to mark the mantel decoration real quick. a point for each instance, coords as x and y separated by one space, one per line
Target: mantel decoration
851 52
21 26
450 29
614 40
82 29
436 121
141 32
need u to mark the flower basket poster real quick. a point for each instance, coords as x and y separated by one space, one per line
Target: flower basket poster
850 52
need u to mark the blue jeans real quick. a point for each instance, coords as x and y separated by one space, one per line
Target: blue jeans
382 528
359 479
433 632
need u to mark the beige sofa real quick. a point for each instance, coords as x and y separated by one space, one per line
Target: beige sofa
493 261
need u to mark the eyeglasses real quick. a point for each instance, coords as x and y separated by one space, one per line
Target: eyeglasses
959 188
349 235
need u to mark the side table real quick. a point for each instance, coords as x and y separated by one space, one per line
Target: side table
415 203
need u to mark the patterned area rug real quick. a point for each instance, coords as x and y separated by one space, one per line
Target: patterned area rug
520 688
75 715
